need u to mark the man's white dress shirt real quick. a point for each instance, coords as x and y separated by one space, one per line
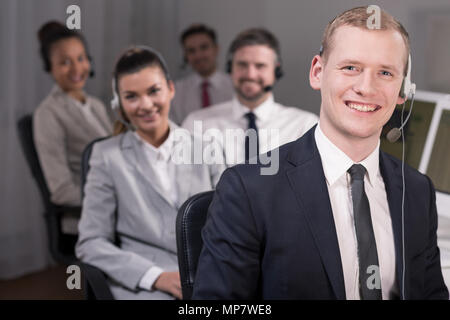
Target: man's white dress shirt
277 125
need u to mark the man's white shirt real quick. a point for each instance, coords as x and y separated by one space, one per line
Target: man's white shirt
188 93
277 125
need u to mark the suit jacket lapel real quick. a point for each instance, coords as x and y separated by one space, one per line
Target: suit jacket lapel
309 185
136 157
391 173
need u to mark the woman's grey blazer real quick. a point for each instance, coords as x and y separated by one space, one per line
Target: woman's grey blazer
128 223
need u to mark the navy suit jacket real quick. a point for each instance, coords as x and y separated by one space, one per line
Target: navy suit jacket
274 237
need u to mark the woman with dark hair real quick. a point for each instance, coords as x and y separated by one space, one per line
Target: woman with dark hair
68 118
135 185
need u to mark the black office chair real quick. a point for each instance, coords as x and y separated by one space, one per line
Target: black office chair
191 218
85 162
62 245
95 284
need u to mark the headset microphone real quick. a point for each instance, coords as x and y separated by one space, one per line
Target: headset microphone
395 133
408 89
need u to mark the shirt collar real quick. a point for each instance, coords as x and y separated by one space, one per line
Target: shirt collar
372 164
336 163
262 112
84 105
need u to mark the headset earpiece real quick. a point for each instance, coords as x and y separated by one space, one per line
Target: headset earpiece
115 102
117 107
278 72
407 90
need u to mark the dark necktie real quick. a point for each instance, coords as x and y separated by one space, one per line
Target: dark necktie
369 273
250 150
205 94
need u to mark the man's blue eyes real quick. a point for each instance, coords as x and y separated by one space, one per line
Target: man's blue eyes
353 68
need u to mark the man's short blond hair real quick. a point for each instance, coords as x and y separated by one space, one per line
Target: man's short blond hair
358 17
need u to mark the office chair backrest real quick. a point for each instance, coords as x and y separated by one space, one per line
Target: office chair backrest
95 283
61 245
85 162
25 127
191 218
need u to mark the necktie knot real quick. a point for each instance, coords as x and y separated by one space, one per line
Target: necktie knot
357 172
205 84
